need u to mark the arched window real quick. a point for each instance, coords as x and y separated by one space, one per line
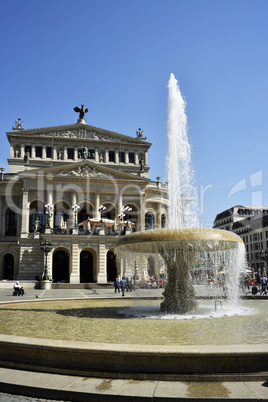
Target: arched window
11 222
149 221
163 221
84 212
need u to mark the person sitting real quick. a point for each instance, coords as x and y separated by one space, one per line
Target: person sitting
18 288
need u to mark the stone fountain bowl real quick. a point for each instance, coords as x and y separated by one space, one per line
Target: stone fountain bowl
197 239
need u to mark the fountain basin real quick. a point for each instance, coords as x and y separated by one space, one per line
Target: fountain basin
197 239
178 247
118 360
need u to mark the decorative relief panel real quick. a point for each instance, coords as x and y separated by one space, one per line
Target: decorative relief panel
81 133
85 171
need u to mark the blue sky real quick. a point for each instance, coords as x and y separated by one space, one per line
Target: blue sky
116 58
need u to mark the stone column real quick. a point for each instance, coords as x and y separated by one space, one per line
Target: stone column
136 158
33 151
127 157
102 269
25 213
54 154
106 156
65 154
145 158
22 151
142 211
120 203
44 153
49 264
12 151
97 205
97 155
75 274
117 156
158 217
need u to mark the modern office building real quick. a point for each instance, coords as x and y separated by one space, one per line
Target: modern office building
79 187
251 224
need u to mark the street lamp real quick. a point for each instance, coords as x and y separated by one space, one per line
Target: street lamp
127 209
264 256
101 209
46 247
75 209
136 276
49 209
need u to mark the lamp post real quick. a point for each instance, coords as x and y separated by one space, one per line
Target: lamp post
46 247
136 276
101 209
75 209
127 209
264 257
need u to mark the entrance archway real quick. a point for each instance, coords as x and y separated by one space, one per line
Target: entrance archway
8 267
111 266
60 270
86 267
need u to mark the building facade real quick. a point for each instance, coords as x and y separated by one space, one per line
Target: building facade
80 187
251 224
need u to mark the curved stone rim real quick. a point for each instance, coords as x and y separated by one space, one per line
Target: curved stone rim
141 362
169 238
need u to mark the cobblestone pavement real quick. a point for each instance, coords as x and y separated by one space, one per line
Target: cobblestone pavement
17 398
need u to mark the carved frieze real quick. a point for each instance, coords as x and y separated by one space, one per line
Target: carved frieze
85 171
81 133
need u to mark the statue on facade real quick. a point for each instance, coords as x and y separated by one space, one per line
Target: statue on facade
141 162
81 111
37 225
27 158
86 154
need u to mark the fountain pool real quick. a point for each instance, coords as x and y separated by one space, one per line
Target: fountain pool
136 321
125 338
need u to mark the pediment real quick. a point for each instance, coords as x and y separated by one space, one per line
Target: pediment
82 170
80 132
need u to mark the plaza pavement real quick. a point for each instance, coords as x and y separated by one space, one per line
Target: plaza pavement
31 386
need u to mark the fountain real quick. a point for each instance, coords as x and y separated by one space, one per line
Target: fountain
182 240
178 248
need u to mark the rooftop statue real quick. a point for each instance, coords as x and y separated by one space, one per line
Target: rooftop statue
81 111
18 125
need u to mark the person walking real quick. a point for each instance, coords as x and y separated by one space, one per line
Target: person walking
123 284
116 285
263 284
